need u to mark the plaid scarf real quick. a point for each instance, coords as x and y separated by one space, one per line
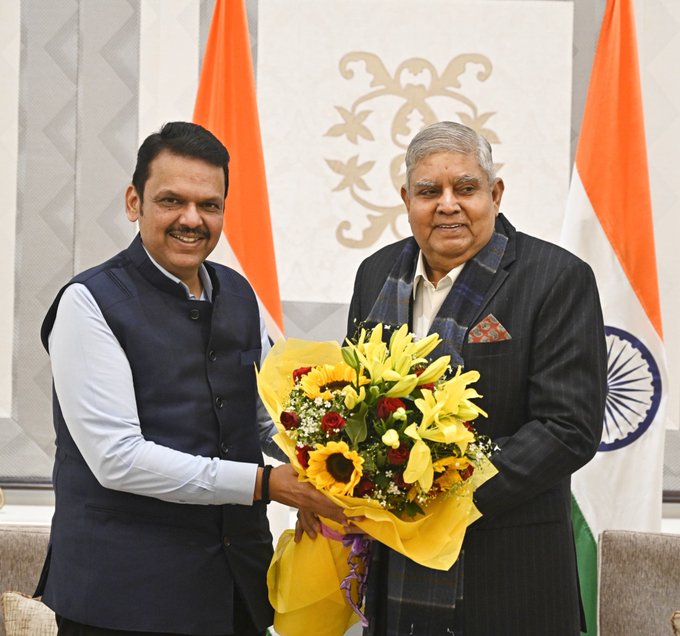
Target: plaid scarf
393 304
404 598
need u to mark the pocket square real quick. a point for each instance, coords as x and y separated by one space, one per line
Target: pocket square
488 329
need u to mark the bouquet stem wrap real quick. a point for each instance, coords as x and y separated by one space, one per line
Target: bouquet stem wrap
358 560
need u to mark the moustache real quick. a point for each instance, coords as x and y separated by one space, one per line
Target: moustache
200 232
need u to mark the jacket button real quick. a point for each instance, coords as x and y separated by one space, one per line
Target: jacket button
226 542
219 402
212 356
194 314
224 448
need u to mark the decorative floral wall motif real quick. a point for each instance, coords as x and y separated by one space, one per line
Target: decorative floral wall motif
415 82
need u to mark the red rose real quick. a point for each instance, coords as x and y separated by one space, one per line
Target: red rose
364 487
332 422
302 454
467 472
399 455
398 479
388 405
290 419
298 373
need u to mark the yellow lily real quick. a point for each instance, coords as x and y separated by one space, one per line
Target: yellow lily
451 399
352 398
430 407
402 342
424 346
444 411
439 423
362 337
401 351
419 467
394 363
435 370
404 386
380 370
390 374
459 395
405 353
399 340
372 354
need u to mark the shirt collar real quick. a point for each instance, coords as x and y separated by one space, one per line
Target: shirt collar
420 274
202 274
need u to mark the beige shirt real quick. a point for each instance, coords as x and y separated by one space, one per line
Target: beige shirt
428 298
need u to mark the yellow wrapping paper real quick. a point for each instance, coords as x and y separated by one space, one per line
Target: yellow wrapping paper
304 587
304 578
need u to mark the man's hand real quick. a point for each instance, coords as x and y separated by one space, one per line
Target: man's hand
285 488
307 522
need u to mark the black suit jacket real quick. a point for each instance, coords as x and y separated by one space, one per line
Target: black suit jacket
544 390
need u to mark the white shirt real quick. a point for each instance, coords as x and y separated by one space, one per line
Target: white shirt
428 297
93 381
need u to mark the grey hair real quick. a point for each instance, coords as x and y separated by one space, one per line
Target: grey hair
449 136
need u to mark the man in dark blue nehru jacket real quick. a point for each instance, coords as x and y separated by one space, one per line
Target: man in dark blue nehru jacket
160 522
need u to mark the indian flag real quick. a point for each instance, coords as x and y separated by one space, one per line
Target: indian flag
226 105
608 223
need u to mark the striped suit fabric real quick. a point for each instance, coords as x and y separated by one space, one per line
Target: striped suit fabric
544 391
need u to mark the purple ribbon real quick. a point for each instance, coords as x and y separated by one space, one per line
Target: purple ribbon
358 556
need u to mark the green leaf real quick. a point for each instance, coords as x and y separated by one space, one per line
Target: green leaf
356 426
369 465
381 481
381 459
411 508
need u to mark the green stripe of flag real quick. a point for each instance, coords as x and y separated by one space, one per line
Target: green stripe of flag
586 555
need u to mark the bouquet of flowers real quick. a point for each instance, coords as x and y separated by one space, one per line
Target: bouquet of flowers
386 433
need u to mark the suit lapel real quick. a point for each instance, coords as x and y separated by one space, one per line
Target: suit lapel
500 276
470 294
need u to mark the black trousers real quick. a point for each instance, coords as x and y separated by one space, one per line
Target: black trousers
243 625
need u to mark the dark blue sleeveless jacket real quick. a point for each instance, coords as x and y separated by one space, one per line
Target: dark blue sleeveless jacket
130 562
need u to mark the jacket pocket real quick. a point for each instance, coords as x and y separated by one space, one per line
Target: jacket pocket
491 349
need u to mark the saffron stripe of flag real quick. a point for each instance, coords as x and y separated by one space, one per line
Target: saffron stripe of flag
615 176
226 105
609 224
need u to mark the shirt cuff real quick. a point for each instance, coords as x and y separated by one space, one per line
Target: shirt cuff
235 483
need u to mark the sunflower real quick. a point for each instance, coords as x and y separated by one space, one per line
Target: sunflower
457 463
324 380
335 468
447 470
448 479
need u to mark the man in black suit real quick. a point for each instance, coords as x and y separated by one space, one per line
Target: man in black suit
525 314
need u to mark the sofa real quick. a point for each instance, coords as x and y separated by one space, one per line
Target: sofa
638 583
22 552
